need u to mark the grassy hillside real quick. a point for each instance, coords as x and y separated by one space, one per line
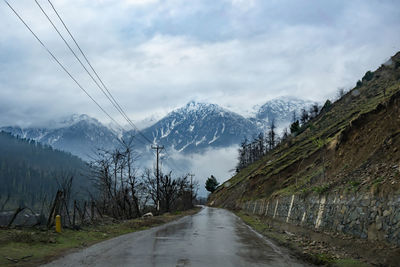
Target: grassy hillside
30 172
353 144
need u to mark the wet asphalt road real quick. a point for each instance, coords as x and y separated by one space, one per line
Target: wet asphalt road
212 237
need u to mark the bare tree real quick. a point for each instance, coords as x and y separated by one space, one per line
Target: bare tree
285 134
242 156
150 182
119 189
304 116
65 182
5 201
168 191
271 135
261 146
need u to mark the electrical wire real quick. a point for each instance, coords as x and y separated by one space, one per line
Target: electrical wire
120 109
172 162
116 105
60 64
109 95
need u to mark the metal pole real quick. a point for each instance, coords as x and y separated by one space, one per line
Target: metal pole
191 188
158 149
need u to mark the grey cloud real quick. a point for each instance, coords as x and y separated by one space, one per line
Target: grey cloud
219 162
157 55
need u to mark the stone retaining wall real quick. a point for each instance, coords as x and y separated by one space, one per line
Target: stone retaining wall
360 215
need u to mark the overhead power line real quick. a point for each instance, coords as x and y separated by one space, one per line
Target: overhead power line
172 162
60 64
73 52
106 91
66 70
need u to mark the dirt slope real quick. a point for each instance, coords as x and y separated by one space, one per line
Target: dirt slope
353 144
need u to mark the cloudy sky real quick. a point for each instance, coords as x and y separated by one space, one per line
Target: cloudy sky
156 55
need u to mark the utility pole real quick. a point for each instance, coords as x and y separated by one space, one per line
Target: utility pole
191 187
158 149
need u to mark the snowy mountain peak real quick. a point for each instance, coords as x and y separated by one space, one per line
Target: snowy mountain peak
197 126
281 108
193 106
74 119
192 103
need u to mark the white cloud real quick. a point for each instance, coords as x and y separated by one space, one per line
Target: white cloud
243 4
219 162
140 2
155 56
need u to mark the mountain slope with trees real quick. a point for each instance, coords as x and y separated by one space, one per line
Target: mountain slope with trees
351 144
80 135
30 172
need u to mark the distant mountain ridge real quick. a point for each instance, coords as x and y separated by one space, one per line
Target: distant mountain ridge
80 135
191 128
281 109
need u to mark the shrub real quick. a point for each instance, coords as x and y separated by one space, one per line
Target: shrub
368 76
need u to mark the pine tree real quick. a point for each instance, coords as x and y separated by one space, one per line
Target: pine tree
211 184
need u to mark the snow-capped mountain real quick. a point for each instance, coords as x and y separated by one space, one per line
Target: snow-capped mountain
80 135
191 129
197 126
280 110
149 121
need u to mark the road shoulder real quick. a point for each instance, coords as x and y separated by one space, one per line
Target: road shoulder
322 248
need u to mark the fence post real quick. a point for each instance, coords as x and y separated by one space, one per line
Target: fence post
58 224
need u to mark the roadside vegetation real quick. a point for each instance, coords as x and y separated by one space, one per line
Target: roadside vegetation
115 187
32 246
118 198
